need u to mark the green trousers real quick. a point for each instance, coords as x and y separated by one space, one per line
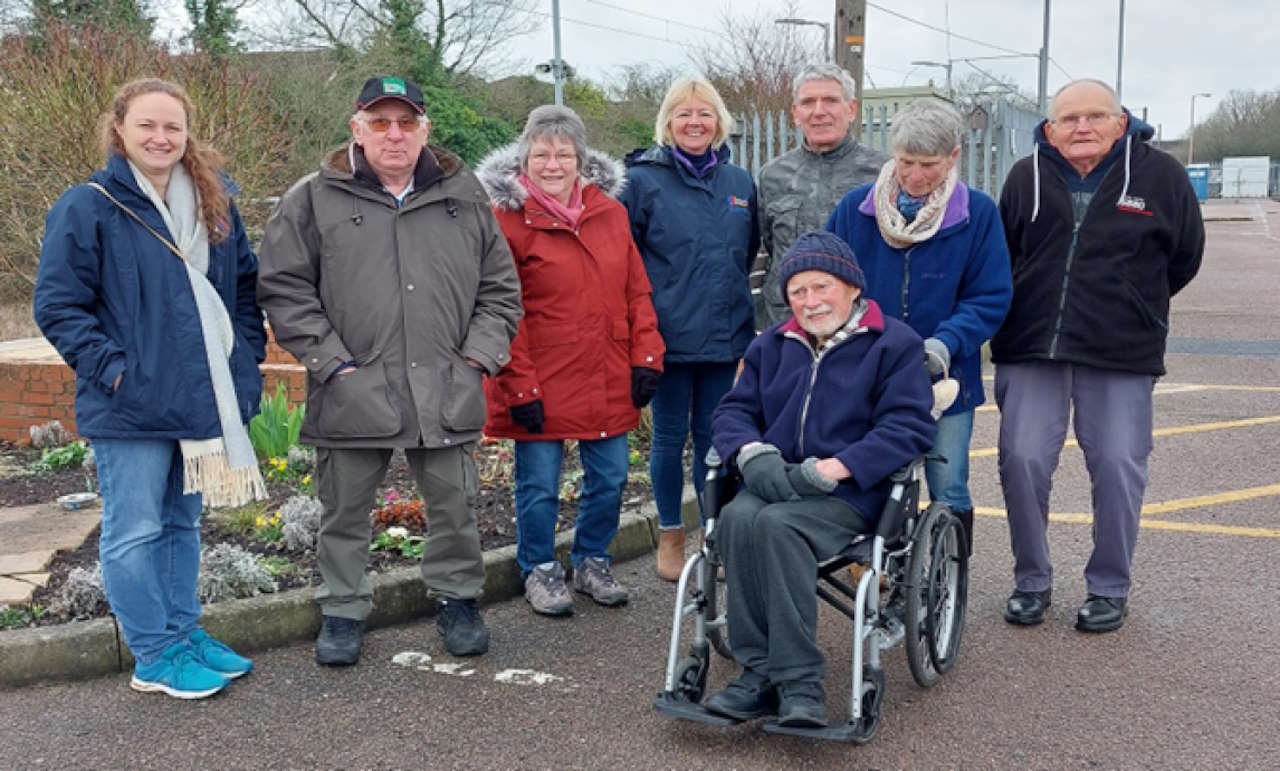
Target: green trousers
347 481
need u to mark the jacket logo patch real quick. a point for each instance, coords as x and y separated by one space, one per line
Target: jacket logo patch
739 203
1133 204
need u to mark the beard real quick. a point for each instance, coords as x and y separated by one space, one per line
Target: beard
823 327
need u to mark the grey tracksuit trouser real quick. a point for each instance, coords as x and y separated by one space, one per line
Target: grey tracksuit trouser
346 482
1113 421
771 554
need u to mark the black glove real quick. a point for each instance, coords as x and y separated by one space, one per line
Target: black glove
530 416
766 476
806 480
644 382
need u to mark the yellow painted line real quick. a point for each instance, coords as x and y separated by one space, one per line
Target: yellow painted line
1200 501
1193 428
1153 524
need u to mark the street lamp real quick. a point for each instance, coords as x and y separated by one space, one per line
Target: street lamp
944 65
826 30
1191 133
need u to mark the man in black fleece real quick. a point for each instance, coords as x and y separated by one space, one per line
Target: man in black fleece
1103 230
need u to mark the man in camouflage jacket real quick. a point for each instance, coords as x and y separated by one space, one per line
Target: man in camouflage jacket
799 189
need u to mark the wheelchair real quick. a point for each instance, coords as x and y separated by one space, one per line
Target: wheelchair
913 589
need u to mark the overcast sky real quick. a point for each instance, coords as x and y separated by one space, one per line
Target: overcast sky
1172 48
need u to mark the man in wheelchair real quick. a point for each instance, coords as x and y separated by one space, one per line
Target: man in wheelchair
828 405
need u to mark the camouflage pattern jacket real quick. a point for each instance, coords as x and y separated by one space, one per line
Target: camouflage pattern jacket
797 192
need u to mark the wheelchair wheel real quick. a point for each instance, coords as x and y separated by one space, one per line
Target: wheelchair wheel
691 678
936 585
947 594
872 700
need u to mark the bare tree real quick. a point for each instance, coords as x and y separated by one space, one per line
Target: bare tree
1245 123
753 61
458 37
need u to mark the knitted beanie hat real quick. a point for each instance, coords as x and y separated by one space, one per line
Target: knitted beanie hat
822 251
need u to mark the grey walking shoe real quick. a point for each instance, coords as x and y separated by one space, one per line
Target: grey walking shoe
545 590
592 577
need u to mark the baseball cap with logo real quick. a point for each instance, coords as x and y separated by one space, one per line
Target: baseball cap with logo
382 87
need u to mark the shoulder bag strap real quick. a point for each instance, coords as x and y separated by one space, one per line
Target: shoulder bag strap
140 221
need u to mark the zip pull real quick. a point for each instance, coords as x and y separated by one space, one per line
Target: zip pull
453 210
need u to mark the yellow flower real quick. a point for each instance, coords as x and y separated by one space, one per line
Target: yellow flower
259 521
306 480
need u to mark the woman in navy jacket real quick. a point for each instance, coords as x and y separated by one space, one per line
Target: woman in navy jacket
146 289
935 257
693 217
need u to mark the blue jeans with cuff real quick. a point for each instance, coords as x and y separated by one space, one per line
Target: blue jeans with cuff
150 543
687 396
604 465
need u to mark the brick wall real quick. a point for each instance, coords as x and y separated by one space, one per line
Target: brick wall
37 387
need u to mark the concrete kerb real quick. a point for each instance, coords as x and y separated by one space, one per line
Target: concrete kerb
85 649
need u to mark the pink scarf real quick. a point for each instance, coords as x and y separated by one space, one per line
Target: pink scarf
570 214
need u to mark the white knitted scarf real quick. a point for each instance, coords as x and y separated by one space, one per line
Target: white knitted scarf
894 228
224 469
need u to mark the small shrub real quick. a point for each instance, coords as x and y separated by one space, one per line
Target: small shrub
19 617
411 514
66 456
242 520
268 528
81 594
228 572
301 522
301 457
49 435
276 426
399 539
278 566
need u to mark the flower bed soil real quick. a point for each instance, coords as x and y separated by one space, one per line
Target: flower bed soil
494 507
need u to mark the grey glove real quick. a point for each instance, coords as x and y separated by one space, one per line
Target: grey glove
765 474
936 357
807 480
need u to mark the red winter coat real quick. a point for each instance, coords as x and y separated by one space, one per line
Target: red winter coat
587 315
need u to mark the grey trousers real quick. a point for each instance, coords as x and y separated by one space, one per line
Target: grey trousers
1113 420
348 479
771 554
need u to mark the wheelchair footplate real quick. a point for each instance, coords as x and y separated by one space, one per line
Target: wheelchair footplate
673 706
846 732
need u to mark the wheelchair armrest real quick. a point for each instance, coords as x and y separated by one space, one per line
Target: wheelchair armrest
908 472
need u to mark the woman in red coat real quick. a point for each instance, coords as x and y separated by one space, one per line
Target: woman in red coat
587 354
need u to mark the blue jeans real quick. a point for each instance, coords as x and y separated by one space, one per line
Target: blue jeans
604 466
683 388
150 543
949 482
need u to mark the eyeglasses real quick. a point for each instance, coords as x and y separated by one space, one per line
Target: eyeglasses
1094 119
407 123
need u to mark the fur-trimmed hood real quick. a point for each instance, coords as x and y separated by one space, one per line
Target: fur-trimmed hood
499 173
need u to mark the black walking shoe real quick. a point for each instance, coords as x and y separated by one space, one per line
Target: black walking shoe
1027 608
747 698
802 706
339 641
1102 614
460 624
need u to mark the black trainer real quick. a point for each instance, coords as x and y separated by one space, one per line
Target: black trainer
747 698
339 641
460 624
801 706
1027 608
1102 614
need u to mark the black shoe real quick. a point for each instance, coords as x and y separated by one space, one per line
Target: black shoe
339 641
460 624
1101 614
1027 608
747 698
802 706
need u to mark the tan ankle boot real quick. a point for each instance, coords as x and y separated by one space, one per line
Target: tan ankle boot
670 553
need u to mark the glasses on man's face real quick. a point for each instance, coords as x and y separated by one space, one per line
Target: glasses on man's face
1093 118
380 125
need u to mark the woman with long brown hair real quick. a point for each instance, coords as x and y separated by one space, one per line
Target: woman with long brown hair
146 288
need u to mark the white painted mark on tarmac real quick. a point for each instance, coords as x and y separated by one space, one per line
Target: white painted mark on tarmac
422 663
527 677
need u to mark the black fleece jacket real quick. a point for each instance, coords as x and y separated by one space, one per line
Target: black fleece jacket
1097 292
